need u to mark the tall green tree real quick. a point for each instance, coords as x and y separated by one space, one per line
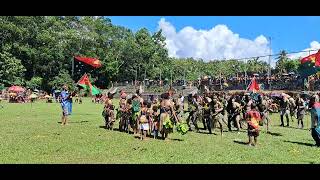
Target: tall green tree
43 47
281 62
61 79
35 83
11 70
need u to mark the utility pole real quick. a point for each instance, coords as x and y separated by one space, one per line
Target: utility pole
144 80
184 74
184 81
135 79
72 67
245 73
308 78
138 74
160 79
220 81
171 77
269 70
237 78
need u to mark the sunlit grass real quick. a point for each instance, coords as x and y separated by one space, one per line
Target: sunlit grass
33 134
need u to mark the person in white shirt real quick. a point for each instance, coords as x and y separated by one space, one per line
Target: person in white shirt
181 97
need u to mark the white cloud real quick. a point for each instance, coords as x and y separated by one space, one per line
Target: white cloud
219 42
314 45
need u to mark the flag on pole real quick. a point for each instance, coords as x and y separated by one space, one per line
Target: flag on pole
90 61
313 58
85 83
318 58
310 65
253 86
95 91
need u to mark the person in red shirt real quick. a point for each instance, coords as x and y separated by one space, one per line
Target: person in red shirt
253 118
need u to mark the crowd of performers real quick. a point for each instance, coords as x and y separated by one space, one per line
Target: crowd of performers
215 110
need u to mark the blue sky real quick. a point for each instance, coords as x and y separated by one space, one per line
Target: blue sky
291 33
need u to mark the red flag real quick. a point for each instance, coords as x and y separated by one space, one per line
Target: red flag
84 81
318 58
86 84
253 86
313 58
308 58
91 61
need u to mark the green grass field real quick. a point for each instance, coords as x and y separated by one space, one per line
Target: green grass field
34 135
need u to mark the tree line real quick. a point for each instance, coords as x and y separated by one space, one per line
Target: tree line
37 52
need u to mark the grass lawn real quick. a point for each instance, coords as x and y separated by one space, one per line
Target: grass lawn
34 135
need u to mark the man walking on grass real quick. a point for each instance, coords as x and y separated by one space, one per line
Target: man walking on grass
217 114
284 109
300 111
65 104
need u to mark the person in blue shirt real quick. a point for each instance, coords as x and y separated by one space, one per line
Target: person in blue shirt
65 104
315 119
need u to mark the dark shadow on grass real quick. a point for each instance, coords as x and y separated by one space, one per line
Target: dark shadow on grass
79 122
216 134
85 114
240 142
158 139
118 130
236 131
148 137
296 128
292 127
300 143
74 122
201 132
114 129
280 126
274 134
207 131
175 139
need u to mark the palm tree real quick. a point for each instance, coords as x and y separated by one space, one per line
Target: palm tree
281 60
